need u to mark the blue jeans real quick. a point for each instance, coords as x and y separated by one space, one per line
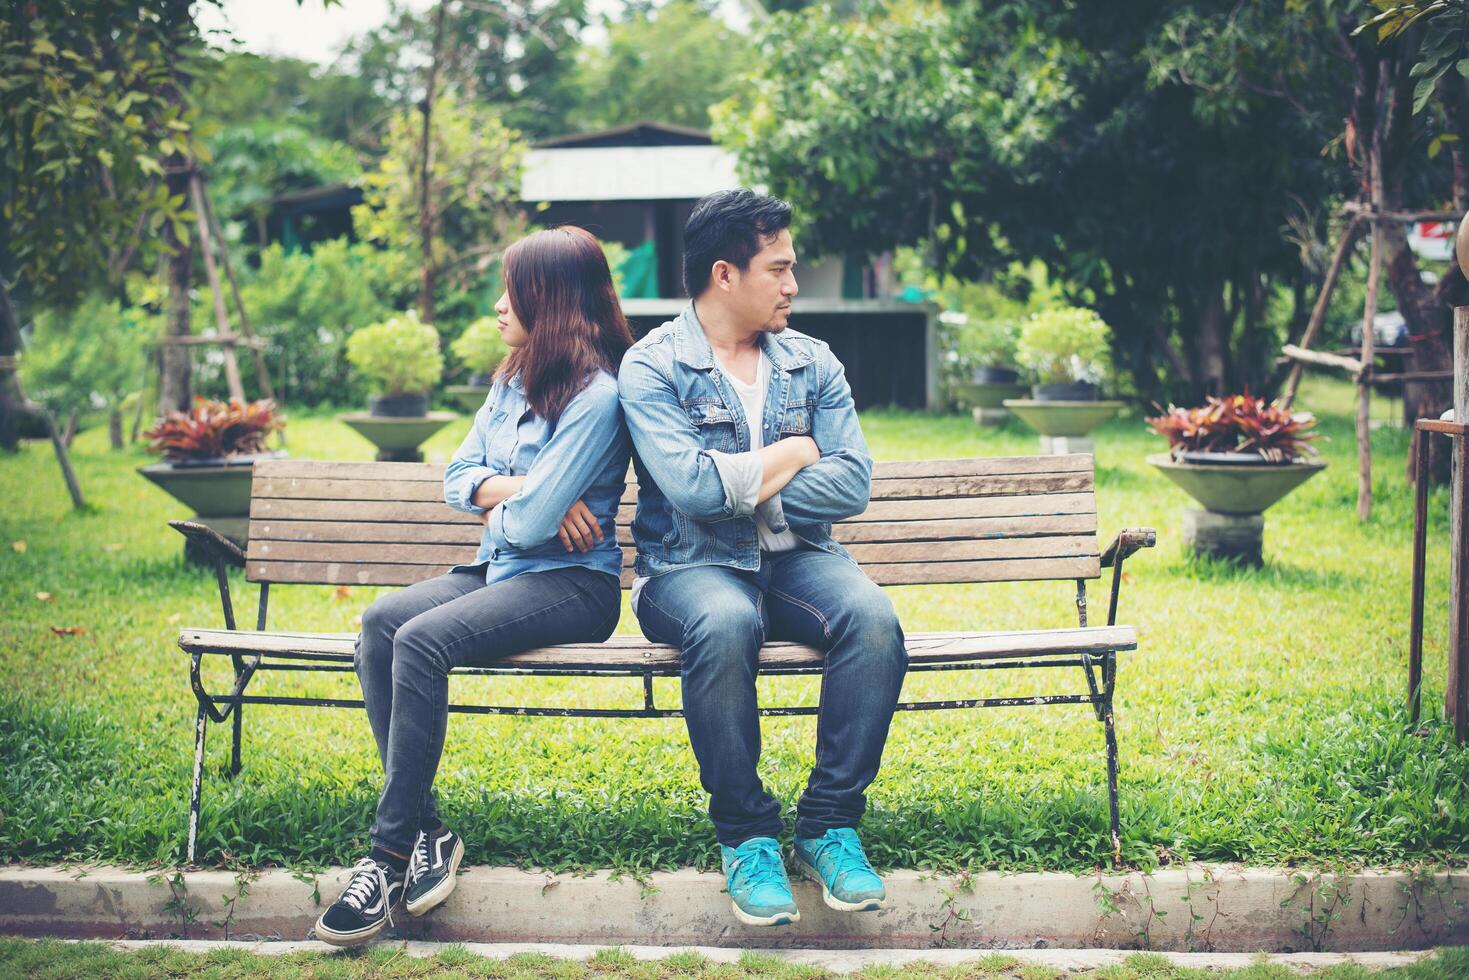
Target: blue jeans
412 638
719 617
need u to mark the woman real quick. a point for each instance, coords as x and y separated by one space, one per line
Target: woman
544 467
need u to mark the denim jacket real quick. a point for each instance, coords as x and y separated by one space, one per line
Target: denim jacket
698 481
582 457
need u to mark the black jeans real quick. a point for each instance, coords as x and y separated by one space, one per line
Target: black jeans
719 617
410 641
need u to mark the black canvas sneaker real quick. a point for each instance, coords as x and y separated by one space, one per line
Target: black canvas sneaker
362 910
431 871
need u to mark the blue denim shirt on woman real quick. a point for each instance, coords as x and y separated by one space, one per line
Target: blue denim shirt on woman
582 457
698 481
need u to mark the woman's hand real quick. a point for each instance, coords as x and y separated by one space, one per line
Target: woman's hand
579 529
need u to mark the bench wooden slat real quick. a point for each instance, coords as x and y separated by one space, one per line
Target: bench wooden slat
425 512
922 488
902 469
846 532
626 652
444 555
883 573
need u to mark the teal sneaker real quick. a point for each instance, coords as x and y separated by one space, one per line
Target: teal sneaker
836 860
758 887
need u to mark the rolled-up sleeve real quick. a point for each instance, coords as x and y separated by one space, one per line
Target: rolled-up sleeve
704 484
839 485
588 439
471 465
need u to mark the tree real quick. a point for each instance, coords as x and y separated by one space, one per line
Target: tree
668 64
516 55
90 121
472 193
1059 132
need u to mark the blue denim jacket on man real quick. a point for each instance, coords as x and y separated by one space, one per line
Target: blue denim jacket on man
698 481
582 457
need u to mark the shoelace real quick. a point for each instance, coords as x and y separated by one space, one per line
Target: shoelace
366 874
764 866
849 849
418 867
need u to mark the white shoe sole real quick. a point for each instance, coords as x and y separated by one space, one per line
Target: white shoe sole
436 895
832 902
357 938
779 919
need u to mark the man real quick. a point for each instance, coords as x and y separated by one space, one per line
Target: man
747 448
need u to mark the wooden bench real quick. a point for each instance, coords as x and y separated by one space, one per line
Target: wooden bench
931 521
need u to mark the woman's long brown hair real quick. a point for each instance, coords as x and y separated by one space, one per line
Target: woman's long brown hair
561 290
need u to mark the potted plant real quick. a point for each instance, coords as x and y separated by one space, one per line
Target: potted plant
1065 352
401 357
1236 456
480 349
207 455
980 366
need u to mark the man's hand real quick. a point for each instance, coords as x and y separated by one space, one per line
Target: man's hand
579 529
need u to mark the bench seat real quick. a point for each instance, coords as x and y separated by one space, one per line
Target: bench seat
633 653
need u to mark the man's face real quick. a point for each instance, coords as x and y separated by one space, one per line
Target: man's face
762 293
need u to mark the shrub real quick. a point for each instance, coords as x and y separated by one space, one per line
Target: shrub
480 347
87 358
213 430
401 354
1237 424
1063 345
305 304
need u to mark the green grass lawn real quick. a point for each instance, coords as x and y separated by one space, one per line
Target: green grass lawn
1261 719
46 959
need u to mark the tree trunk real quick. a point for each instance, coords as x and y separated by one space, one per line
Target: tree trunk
426 217
114 428
1211 341
12 400
176 376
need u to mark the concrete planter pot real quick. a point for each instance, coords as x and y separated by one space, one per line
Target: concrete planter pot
413 404
1064 426
986 390
468 397
397 439
217 490
1234 498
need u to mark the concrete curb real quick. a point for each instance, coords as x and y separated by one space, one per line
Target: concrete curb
836 961
1195 908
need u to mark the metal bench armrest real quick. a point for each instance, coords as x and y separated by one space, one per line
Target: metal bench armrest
215 544
1128 542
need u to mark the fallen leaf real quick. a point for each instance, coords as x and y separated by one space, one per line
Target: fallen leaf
175 617
19 546
357 623
343 592
45 596
112 547
68 630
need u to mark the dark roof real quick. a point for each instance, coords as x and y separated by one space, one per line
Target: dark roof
324 198
637 134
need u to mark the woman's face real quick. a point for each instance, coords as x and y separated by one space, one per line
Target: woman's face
511 330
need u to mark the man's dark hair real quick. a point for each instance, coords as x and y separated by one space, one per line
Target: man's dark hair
729 225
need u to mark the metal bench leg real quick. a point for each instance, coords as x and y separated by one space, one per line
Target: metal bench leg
200 724
1109 673
239 718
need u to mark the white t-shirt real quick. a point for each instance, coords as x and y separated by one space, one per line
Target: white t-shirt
752 399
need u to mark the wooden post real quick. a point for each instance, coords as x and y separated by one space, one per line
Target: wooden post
64 458
261 374
1364 380
1349 237
221 318
1457 693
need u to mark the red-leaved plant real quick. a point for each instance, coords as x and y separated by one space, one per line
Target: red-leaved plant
212 430
1237 424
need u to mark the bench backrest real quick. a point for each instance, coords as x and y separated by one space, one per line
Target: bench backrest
998 519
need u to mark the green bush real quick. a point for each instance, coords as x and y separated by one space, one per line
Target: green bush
87 358
400 354
305 305
480 347
1058 346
